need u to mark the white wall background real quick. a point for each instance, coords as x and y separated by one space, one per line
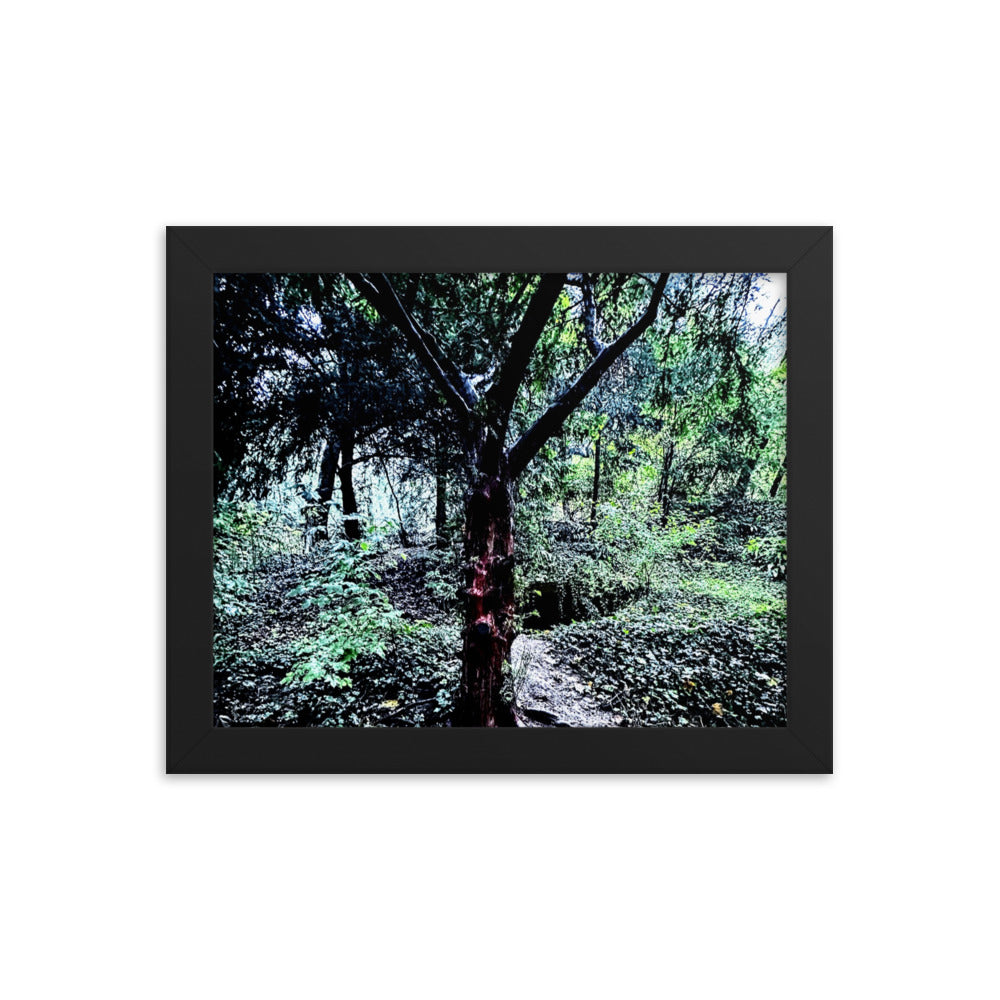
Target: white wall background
121 118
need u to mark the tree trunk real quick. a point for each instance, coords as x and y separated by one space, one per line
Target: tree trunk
349 502
317 515
740 489
328 469
746 473
666 486
564 475
777 479
440 497
489 595
404 538
597 482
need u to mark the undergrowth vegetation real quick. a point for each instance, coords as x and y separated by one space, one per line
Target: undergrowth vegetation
679 624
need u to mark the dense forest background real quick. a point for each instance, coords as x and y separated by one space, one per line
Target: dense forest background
500 499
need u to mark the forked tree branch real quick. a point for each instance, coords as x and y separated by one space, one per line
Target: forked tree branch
535 317
454 386
552 419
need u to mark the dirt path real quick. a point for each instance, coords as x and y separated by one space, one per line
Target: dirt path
551 695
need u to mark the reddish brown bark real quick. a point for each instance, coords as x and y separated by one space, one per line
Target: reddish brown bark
489 598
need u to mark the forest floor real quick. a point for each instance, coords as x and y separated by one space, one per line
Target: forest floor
706 649
551 694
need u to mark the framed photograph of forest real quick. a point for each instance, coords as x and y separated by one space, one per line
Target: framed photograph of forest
446 499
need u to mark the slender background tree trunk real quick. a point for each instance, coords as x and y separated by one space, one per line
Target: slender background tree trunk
328 469
666 486
596 493
746 473
349 501
440 495
777 479
318 514
564 474
404 538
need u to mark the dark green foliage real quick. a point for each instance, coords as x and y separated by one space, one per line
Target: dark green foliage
771 553
247 537
332 650
299 361
354 619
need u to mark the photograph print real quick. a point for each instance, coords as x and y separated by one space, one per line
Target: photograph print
495 499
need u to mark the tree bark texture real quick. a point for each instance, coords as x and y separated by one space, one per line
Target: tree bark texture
489 594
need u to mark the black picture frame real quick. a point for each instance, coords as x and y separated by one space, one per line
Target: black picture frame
195 254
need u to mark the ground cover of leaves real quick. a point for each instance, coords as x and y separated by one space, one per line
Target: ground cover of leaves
706 649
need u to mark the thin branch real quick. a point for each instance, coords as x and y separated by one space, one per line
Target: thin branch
454 386
534 320
552 419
